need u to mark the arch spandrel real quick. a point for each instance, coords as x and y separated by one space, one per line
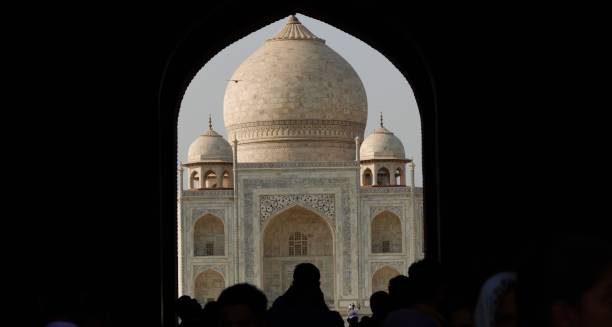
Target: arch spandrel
322 204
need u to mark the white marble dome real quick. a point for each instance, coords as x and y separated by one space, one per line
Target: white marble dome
382 145
209 147
295 99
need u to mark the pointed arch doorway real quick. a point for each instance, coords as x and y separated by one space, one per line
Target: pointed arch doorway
294 236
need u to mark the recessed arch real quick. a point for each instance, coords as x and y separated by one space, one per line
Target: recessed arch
386 233
383 177
210 179
227 180
309 228
380 278
209 236
194 180
208 285
398 175
367 177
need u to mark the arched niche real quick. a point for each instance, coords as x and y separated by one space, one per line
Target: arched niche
281 253
210 179
208 236
367 177
194 180
382 177
208 285
398 175
386 233
227 180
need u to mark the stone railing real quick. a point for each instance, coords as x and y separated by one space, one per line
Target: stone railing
210 193
390 189
385 189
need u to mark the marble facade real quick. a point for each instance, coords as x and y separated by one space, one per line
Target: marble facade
331 196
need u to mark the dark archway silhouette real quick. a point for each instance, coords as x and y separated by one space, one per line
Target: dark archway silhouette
199 45
498 87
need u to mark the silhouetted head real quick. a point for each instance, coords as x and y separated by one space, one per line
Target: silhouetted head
306 275
211 306
187 308
242 305
380 303
567 282
400 291
210 313
427 280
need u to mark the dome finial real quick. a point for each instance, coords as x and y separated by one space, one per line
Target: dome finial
381 120
294 30
210 122
293 20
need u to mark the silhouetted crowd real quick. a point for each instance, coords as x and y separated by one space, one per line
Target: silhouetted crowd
565 283
562 283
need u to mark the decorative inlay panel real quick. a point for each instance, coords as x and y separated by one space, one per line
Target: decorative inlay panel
342 212
218 267
323 204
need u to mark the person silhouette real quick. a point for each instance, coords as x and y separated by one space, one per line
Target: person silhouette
210 313
380 303
400 293
353 315
565 280
189 310
419 297
303 304
240 305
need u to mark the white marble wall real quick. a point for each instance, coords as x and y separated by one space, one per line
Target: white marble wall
330 190
397 200
196 204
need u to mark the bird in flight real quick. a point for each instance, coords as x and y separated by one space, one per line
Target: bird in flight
234 80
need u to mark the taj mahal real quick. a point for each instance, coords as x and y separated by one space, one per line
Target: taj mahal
296 181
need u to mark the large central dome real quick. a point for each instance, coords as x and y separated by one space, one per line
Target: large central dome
295 99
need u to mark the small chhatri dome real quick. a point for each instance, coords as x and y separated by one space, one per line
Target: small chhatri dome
297 100
209 147
382 145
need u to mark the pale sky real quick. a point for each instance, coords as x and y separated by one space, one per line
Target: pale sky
386 89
